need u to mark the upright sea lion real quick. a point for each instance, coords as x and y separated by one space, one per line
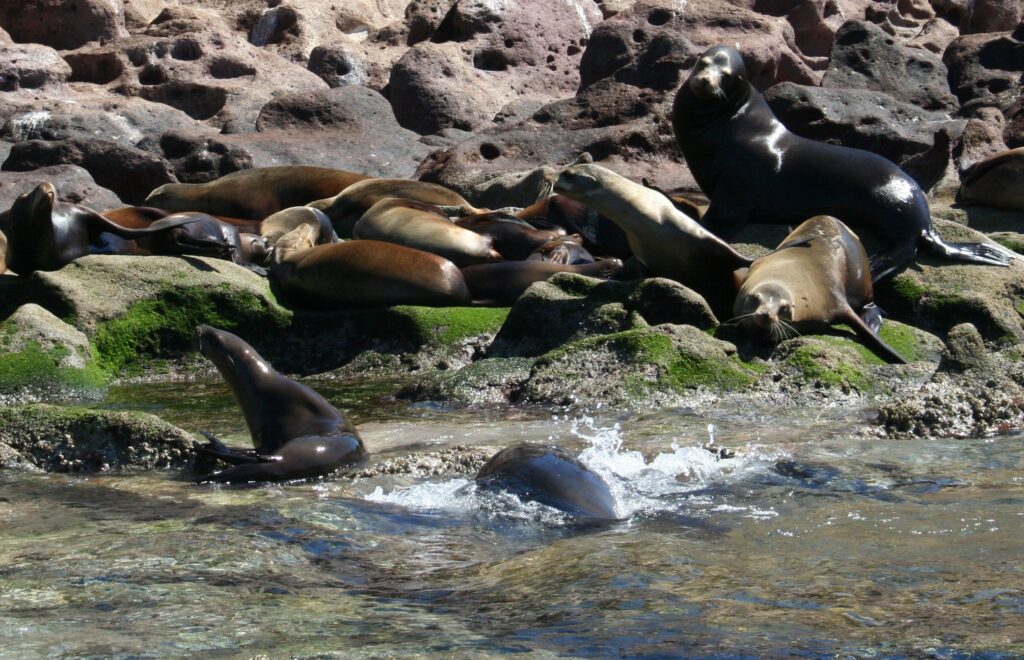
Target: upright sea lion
296 432
254 194
362 274
551 476
512 237
45 234
997 181
277 225
754 170
667 241
345 208
502 283
819 275
424 227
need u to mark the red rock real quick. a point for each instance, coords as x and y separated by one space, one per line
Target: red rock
63 25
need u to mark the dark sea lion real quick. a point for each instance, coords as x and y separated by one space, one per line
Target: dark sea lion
754 170
997 181
254 194
45 234
819 275
137 217
600 235
687 206
345 208
502 283
424 227
563 250
551 476
668 242
297 434
512 237
3 253
362 274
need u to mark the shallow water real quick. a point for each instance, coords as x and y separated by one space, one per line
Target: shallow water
813 540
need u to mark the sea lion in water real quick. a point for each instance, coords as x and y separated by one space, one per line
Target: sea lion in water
997 181
254 194
46 234
424 227
297 434
513 238
277 225
667 241
362 274
551 476
819 275
502 283
345 208
754 170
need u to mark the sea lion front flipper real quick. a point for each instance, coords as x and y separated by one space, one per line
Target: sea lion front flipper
871 314
872 339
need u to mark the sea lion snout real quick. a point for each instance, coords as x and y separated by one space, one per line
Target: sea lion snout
207 338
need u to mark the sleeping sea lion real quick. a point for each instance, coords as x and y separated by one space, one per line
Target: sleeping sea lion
297 434
563 250
600 235
502 283
754 170
278 224
818 276
512 237
997 181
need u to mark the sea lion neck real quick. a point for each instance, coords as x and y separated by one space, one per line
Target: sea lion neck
696 115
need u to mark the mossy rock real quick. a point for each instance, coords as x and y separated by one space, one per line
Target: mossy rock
43 357
58 439
487 381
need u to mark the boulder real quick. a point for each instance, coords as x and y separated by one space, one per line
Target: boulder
74 185
935 36
198 157
992 16
63 25
982 137
985 69
31 66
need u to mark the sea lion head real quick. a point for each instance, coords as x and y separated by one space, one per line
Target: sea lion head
718 74
39 203
217 344
172 197
577 181
767 309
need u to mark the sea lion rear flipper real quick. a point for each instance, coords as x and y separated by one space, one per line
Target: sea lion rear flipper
886 264
981 253
872 339
216 448
871 314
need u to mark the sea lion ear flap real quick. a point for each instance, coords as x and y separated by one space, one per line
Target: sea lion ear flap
738 276
584 157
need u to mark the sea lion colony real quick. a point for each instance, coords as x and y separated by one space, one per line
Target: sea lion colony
331 239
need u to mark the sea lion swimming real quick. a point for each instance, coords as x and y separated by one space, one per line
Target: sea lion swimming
667 241
296 433
254 194
46 234
754 170
551 476
996 181
818 276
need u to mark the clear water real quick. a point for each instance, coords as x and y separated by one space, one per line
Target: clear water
813 540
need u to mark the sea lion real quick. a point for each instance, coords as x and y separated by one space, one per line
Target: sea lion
278 224
551 476
297 434
3 253
996 181
512 237
662 237
345 208
424 227
754 170
563 250
362 274
137 217
45 234
254 194
502 283
819 275
600 235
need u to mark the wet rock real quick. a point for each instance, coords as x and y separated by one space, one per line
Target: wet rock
486 382
965 351
63 25
31 67
917 140
459 459
865 57
985 69
75 185
58 439
131 173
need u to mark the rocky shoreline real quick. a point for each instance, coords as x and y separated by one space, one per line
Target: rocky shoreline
489 100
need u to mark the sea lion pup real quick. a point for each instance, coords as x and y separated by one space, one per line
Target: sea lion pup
600 235
362 274
424 227
512 237
277 225
502 283
297 434
46 234
818 276
345 208
563 250
661 236
996 181
754 170
551 476
254 194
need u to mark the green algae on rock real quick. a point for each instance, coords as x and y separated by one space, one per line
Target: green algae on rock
59 439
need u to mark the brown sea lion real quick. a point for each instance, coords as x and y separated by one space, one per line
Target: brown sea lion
3 253
818 276
254 194
277 225
45 234
600 235
563 250
754 170
997 181
667 241
502 283
345 208
424 227
137 217
513 238
297 434
362 273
